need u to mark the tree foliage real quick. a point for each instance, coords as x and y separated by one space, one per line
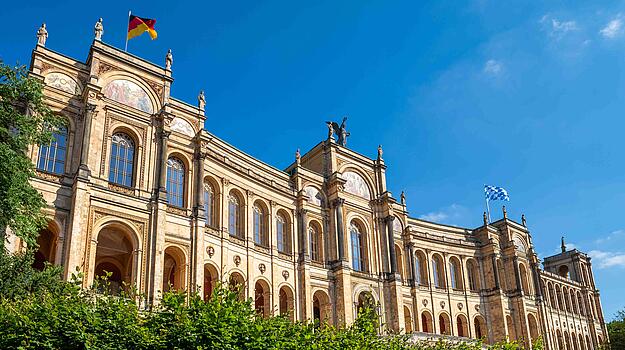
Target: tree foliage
616 331
25 120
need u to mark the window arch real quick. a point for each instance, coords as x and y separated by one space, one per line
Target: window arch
283 234
52 156
209 204
235 215
473 275
358 247
455 274
175 182
122 159
438 269
315 241
260 225
421 269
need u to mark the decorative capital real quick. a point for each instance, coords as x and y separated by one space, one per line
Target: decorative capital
338 202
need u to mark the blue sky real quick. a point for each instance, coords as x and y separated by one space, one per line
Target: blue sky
528 96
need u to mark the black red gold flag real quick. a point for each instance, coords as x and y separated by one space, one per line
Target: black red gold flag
138 25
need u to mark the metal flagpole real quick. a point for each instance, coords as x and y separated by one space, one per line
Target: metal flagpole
126 48
487 208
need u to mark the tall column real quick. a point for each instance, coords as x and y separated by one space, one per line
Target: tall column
517 273
201 156
391 244
338 211
162 180
83 169
495 271
304 247
413 267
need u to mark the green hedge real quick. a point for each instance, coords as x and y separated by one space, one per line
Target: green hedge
42 312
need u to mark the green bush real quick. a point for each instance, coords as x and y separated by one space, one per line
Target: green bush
61 315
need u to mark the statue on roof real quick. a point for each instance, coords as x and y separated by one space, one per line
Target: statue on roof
98 29
42 35
201 99
563 246
339 130
169 60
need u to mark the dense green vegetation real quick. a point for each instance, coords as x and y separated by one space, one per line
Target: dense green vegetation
616 331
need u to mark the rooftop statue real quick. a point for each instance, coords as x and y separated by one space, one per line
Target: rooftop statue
42 35
98 29
339 130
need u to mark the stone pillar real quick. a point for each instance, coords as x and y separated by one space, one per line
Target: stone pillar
391 244
302 218
413 267
200 185
162 180
340 237
83 169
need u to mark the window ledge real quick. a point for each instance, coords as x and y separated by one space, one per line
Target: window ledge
176 210
121 189
48 176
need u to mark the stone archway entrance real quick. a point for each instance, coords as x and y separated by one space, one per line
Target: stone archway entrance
46 250
174 269
115 259
262 302
211 276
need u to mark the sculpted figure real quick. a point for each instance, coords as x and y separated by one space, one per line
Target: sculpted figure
98 29
42 35
339 130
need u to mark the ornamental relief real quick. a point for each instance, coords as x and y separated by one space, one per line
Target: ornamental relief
128 93
63 82
356 185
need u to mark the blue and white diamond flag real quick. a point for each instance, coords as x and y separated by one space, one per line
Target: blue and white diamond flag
495 193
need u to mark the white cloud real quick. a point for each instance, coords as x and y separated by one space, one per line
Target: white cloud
557 28
614 235
452 212
613 28
493 67
604 259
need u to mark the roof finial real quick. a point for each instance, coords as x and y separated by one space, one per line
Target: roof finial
297 157
563 246
485 219
42 35
98 29
169 59
505 213
201 100
523 222
380 152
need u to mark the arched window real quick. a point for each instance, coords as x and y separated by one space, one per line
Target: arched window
175 182
282 230
234 216
52 156
439 273
456 276
358 253
260 228
421 269
209 204
472 273
122 159
314 237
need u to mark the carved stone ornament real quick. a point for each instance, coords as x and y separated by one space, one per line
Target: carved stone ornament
262 268
285 274
557 323
460 306
211 251
237 260
424 302
442 304
477 307
225 181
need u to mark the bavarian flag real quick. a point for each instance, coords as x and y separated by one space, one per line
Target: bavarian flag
138 25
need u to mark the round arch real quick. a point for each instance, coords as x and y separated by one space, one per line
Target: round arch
174 268
236 213
368 181
284 231
444 323
236 283
407 320
462 326
286 301
427 324
322 308
316 241
211 278
479 325
260 222
153 96
262 297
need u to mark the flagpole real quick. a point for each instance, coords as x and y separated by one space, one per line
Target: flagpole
487 209
126 48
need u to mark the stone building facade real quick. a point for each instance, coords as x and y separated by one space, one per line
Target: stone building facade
138 187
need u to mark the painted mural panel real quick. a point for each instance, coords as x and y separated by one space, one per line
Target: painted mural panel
63 82
314 197
356 185
128 93
182 126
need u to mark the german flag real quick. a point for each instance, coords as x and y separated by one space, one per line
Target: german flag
138 25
